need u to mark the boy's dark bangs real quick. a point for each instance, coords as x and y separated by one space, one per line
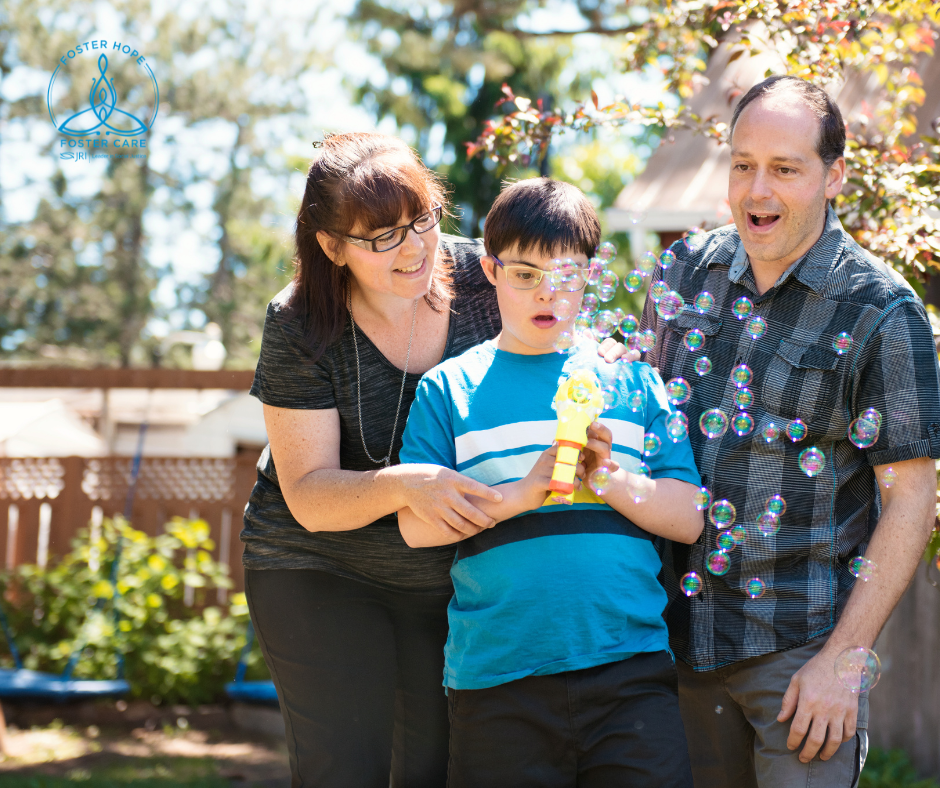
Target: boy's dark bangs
384 189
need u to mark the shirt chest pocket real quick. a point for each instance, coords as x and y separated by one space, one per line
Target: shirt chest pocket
802 381
690 331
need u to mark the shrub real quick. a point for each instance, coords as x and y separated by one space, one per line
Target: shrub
173 652
891 769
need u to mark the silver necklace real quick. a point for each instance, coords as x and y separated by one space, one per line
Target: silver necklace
387 459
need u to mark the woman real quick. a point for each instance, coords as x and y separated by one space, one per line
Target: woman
354 633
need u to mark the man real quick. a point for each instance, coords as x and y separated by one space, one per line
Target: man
817 332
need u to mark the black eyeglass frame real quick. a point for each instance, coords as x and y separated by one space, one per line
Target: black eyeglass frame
368 244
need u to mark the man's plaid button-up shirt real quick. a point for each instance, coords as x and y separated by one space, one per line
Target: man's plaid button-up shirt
797 374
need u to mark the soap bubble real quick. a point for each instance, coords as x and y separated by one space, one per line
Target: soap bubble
704 301
768 523
725 541
742 423
620 315
770 433
564 342
599 481
718 709
863 433
872 415
605 323
741 375
858 669
598 262
722 514
755 588
647 263
629 324
776 504
639 484
608 279
647 340
796 430
889 476
633 281
636 400
718 562
678 391
606 294
606 251
695 239
713 423
738 533
843 343
756 327
563 309
589 304
703 365
670 304
583 323
677 426
565 275
651 444
609 395
742 307
694 339
812 461
658 290
702 498
691 584
667 259
862 568
744 398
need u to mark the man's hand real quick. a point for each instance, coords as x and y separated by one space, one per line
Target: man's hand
611 350
820 703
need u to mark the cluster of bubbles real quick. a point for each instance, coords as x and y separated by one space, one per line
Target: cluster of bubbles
857 669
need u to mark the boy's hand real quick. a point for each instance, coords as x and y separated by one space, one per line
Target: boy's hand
535 484
611 350
596 453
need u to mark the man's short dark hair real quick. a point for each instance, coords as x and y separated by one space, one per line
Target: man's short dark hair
542 213
830 143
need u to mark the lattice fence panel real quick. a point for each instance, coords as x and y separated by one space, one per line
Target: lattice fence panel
31 477
161 479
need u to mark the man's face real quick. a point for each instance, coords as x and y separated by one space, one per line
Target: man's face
778 185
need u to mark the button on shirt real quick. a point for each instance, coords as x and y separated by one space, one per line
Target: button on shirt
797 373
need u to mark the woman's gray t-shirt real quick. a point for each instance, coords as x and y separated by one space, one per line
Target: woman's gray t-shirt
287 377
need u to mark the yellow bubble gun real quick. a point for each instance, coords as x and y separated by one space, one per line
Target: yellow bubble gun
578 402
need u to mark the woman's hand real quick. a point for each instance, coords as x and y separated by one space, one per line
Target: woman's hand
611 350
436 495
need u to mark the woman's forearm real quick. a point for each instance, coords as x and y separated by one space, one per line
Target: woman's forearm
330 499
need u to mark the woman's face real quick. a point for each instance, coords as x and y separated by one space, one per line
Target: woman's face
404 271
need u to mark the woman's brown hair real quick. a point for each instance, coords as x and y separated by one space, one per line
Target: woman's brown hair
371 178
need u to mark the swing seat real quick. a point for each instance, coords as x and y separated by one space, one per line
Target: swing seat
33 685
259 692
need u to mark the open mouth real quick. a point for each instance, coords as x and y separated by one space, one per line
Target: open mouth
546 320
762 221
411 269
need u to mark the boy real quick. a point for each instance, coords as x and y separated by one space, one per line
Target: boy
557 662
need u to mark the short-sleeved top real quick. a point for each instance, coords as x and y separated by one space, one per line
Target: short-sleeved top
839 333
564 587
287 376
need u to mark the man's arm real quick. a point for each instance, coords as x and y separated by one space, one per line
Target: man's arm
815 698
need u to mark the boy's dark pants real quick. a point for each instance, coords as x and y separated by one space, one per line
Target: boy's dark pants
603 727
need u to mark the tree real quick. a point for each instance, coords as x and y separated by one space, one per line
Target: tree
894 177
444 68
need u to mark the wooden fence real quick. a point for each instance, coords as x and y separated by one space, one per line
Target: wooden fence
44 501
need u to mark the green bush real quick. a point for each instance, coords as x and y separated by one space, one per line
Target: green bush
891 769
173 652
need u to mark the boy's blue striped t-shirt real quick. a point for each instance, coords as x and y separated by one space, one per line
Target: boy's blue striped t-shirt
564 587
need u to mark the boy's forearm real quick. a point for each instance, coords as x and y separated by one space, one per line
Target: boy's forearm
669 511
518 497
417 533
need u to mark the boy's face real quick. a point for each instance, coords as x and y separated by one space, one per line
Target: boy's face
529 327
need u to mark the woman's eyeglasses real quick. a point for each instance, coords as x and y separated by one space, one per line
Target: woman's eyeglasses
524 277
396 237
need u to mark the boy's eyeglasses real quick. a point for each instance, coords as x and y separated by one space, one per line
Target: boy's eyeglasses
396 236
525 277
